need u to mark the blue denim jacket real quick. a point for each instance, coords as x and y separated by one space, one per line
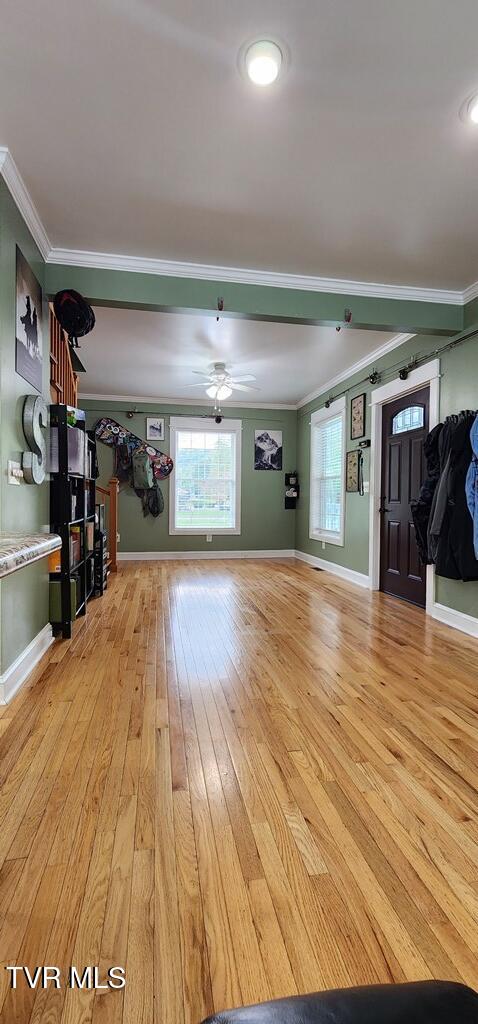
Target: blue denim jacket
471 484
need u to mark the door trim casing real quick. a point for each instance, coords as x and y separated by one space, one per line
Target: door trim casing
429 374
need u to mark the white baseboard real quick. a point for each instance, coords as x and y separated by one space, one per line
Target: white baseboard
457 620
440 612
16 673
174 556
342 571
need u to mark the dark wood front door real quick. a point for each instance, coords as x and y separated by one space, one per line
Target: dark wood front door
404 429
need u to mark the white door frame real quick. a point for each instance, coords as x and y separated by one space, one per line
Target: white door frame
429 373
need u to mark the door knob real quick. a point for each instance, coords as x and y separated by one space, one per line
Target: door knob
383 508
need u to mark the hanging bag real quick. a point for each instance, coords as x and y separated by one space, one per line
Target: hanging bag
143 476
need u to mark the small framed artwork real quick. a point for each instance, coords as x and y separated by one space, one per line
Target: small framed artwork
154 428
357 417
352 473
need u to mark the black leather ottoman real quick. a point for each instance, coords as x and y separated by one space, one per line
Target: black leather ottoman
424 1002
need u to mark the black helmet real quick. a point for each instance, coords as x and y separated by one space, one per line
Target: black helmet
74 314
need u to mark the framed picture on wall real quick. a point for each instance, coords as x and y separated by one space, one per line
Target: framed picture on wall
28 324
154 428
352 472
357 417
268 449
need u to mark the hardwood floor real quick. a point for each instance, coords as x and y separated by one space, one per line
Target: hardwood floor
239 780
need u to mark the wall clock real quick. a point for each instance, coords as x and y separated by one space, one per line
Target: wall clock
357 417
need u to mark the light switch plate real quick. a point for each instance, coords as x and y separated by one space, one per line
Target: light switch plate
14 472
208 537
366 486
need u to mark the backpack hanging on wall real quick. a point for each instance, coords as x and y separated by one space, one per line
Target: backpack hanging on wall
153 501
143 475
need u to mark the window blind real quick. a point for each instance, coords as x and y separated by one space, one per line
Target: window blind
327 475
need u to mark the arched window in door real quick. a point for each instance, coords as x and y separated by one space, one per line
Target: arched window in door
411 418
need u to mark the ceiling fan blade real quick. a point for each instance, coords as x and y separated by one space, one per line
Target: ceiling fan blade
243 387
200 384
243 378
200 373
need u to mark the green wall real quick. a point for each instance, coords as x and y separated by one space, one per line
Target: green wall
265 523
458 390
24 595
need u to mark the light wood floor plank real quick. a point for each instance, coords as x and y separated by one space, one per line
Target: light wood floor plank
239 780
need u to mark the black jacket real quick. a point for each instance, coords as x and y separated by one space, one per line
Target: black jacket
421 508
451 529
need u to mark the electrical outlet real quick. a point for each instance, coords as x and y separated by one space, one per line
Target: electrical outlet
209 537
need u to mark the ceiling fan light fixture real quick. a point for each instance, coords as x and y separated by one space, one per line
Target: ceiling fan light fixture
219 392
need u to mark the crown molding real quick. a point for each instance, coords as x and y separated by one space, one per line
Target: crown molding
142 400
208 272
23 200
239 275
470 293
324 389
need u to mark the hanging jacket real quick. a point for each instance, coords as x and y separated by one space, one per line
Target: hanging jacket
421 508
471 485
453 542
440 496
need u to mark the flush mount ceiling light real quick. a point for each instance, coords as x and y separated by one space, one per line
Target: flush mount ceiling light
262 61
469 110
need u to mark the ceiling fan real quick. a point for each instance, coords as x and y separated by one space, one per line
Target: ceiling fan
220 384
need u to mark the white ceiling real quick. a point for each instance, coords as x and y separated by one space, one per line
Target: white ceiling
136 134
152 355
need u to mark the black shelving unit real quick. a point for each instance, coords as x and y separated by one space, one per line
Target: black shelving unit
101 553
72 516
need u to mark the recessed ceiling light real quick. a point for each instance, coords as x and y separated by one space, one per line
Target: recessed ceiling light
263 61
473 110
469 110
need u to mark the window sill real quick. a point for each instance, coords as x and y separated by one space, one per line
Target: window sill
203 532
328 538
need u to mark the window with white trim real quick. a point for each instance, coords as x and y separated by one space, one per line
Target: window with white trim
205 485
327 473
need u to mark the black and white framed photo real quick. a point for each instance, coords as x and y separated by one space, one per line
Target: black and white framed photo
352 471
357 417
28 324
268 449
154 428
